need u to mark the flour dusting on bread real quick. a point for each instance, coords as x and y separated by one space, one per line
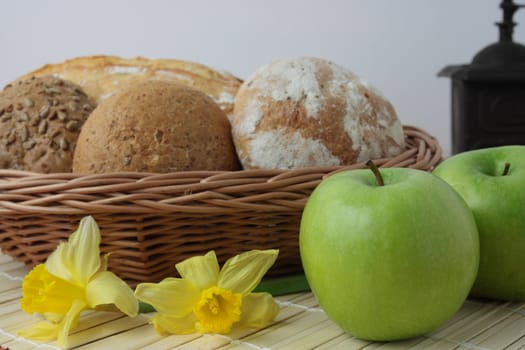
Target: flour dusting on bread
289 151
315 112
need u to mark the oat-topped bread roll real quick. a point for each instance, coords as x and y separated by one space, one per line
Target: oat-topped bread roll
102 76
302 112
156 126
40 119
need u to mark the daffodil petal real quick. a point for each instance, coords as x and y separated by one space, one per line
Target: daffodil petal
57 264
202 271
104 262
165 324
243 272
69 322
106 288
43 330
78 259
173 297
53 317
258 310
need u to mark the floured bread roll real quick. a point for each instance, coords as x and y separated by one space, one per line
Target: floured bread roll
102 76
304 112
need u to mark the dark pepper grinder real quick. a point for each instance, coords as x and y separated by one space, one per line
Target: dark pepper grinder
488 95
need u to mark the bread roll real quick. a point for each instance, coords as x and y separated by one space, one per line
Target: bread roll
303 112
40 119
156 126
102 76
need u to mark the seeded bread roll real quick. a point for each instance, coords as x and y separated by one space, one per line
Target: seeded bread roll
304 112
156 126
40 119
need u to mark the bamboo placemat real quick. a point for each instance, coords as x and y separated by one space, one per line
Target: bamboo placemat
301 324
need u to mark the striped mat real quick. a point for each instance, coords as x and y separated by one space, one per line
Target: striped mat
301 324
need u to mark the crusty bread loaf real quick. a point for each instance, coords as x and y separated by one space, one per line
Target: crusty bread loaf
156 126
40 119
102 76
303 112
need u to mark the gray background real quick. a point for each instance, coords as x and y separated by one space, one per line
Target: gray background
396 45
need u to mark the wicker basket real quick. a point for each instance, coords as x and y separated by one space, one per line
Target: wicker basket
151 221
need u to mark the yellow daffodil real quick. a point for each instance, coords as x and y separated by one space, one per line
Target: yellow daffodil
208 300
74 278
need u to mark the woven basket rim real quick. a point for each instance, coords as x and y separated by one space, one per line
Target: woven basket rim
74 193
147 219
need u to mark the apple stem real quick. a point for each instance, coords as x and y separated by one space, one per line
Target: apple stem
370 164
506 169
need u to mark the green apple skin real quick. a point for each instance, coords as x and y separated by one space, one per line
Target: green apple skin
388 262
498 204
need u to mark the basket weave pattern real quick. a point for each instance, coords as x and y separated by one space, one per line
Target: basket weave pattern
151 221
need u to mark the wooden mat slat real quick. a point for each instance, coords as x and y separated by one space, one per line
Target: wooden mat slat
318 334
108 330
143 335
301 324
8 285
12 320
171 342
519 344
501 334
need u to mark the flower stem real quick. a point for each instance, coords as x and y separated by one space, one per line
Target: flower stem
506 169
144 308
370 164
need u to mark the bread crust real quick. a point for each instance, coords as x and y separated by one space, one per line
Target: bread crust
156 126
101 76
40 119
303 112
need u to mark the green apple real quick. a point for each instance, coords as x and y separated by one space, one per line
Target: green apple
497 199
391 261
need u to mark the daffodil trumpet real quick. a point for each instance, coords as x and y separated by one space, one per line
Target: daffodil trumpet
74 278
207 299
